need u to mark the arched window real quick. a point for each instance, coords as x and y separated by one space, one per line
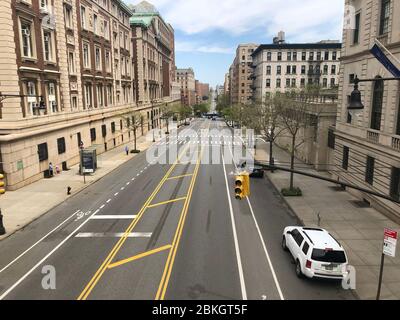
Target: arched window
377 102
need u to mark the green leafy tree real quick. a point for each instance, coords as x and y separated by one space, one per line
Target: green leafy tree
133 120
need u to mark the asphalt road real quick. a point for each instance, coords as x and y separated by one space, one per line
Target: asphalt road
162 231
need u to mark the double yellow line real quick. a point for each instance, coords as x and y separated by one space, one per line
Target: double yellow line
99 273
172 253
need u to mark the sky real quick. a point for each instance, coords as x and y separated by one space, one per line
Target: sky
207 32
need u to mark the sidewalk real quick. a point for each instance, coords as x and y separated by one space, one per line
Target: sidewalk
359 230
25 205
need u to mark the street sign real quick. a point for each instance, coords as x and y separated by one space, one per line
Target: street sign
389 243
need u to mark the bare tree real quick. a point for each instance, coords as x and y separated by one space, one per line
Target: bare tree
133 121
263 117
295 115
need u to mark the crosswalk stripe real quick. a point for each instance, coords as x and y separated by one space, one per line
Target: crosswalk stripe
113 235
112 216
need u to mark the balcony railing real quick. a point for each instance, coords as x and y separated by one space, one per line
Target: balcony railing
396 143
373 136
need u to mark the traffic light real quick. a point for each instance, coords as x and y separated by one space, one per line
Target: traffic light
242 186
2 184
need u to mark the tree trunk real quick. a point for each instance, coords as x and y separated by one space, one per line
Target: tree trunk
292 161
134 136
271 143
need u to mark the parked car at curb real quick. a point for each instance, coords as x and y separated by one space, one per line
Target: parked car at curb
316 253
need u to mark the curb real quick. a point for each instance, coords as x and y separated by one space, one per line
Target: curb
60 203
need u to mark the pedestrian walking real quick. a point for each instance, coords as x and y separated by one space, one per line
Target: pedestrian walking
51 170
57 169
126 150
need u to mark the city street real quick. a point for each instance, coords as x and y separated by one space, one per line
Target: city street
162 231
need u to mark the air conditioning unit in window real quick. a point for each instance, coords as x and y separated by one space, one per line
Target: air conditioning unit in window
44 8
26 32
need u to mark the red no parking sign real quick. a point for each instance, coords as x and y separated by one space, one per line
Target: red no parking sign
389 242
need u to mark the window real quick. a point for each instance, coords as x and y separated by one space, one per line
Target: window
108 61
333 69
326 69
71 62
294 69
268 56
74 102
324 82
288 68
319 56
61 145
88 95
268 83
333 82
289 56
311 56
326 55
44 4
295 56
83 17
52 96
79 139
306 246
345 161
334 55
332 256
278 83
385 13
48 46
103 130
303 69
369 171
98 58
303 82
303 56
278 70
298 238
99 93
27 41
30 88
287 83
86 55
331 139
95 21
68 18
377 100
43 152
93 134
398 121
279 56
106 30
112 127
395 183
268 70
356 33
293 83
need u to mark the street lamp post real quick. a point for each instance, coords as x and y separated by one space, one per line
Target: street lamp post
152 120
356 104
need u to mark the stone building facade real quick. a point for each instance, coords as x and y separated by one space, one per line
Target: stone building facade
67 75
367 145
286 66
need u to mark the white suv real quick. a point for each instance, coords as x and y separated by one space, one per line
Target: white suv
316 253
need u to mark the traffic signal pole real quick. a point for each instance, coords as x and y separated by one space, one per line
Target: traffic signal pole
341 183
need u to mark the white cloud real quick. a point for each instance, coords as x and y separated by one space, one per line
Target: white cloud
188 46
240 16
